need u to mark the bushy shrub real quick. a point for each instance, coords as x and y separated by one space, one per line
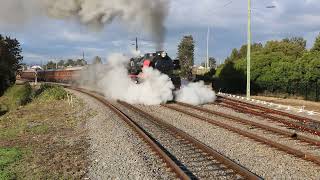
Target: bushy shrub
16 96
52 92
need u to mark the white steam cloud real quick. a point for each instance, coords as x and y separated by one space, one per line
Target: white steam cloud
195 94
148 15
114 82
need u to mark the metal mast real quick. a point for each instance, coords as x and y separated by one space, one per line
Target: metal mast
249 49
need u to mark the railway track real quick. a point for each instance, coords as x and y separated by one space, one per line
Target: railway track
184 155
289 120
189 110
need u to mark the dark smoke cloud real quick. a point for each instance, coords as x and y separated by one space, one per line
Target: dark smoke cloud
145 15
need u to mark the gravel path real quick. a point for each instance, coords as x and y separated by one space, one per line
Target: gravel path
116 152
261 159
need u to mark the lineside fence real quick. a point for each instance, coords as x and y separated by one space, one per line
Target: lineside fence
307 90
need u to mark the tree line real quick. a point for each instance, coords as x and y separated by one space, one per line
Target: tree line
279 65
71 63
10 60
64 63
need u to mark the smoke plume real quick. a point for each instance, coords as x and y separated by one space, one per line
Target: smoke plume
147 15
195 94
113 81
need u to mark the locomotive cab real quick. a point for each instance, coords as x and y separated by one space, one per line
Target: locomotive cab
160 61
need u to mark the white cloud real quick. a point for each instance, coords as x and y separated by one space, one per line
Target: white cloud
54 38
33 55
73 36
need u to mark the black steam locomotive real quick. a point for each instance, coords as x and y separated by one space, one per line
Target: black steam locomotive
160 61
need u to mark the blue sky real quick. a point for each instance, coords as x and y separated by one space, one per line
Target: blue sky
45 39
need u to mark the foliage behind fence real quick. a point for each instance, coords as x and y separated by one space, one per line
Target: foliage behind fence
307 90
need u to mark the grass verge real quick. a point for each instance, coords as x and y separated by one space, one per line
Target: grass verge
8 156
45 139
14 97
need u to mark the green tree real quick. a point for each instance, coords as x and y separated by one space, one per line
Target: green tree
316 46
186 54
51 65
294 47
61 63
70 62
10 60
97 60
81 62
235 55
230 79
309 66
212 62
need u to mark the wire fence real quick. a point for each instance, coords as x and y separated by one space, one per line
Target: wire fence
307 90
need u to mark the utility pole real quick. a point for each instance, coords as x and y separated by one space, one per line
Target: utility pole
208 35
137 47
249 49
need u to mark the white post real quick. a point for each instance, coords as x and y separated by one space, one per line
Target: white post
36 77
208 35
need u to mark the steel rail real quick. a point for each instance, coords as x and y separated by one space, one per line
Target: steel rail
287 149
259 125
273 111
209 151
235 106
139 130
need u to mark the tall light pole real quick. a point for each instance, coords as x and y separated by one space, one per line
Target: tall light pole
249 49
208 35
249 46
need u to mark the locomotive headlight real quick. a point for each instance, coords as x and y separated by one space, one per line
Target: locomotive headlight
163 54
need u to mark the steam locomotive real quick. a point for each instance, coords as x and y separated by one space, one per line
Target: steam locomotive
160 61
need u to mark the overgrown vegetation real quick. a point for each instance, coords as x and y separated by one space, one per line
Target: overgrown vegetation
284 66
14 97
8 156
48 92
19 95
45 138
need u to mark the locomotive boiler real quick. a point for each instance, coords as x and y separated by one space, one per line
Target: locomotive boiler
160 61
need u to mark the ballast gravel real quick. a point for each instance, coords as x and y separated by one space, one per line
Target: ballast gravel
188 156
258 119
116 151
261 159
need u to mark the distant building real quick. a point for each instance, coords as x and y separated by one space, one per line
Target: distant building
199 70
36 67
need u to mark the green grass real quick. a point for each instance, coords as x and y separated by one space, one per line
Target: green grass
51 92
27 122
8 156
35 130
39 129
15 96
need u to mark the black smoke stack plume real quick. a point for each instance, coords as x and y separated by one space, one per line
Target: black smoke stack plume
146 15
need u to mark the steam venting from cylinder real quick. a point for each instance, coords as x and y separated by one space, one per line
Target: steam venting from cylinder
145 15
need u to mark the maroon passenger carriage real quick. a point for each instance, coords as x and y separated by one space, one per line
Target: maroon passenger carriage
68 75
